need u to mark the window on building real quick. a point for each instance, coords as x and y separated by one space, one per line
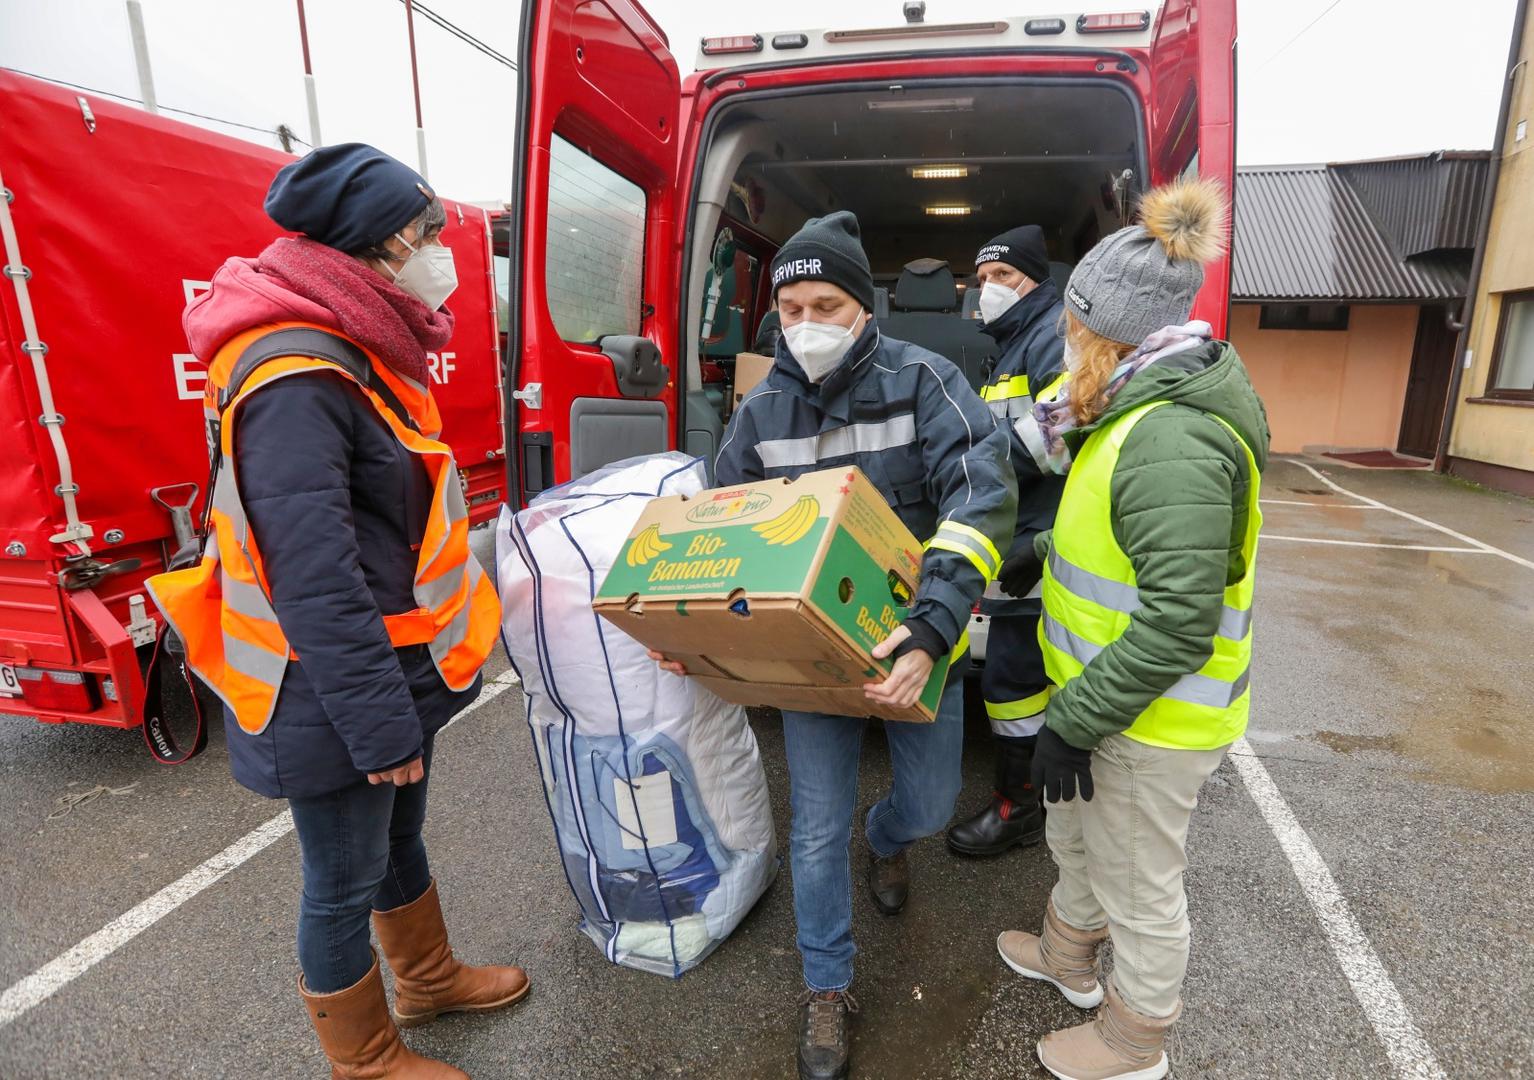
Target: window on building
1303 317
1512 364
594 266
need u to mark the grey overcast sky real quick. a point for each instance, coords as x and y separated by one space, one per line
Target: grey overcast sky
1319 80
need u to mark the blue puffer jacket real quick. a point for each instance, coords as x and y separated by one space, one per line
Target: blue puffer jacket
908 419
338 508
1029 334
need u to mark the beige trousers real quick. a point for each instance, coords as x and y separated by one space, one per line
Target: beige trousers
1121 859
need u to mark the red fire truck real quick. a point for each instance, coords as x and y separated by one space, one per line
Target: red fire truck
113 220
647 208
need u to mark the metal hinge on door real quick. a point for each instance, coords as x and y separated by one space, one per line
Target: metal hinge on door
530 395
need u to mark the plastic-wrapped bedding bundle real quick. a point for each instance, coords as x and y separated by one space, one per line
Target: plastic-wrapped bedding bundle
655 786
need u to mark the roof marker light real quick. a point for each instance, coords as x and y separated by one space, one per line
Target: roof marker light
790 41
1037 27
740 43
1120 22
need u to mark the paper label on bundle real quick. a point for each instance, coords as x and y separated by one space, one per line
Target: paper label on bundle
655 819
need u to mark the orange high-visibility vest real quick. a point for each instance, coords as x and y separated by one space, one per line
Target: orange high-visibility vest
221 607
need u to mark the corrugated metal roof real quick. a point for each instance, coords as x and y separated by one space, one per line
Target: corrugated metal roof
1421 204
1304 232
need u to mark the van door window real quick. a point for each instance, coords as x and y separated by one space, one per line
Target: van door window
593 272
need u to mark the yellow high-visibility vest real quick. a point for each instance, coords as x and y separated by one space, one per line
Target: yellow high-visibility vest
1090 592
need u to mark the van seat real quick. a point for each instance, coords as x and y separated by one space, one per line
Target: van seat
926 313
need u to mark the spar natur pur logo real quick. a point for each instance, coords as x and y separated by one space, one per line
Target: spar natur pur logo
729 506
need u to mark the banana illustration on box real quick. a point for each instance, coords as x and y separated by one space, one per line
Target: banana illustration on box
646 546
792 524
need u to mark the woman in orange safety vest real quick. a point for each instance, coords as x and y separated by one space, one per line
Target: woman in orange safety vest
337 609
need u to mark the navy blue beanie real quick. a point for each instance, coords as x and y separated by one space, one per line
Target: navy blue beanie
349 197
1021 248
830 249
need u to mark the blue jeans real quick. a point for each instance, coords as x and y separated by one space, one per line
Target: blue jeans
362 852
823 770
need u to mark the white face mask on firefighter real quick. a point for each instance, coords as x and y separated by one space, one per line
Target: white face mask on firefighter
428 274
818 346
996 300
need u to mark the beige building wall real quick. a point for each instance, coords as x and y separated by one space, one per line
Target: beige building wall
1502 433
1331 389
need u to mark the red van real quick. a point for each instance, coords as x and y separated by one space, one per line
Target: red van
647 208
120 218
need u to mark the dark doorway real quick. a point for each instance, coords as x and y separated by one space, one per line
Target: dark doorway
1432 359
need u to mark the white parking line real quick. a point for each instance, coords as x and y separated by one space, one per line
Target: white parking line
1372 544
1489 549
1408 1051
1326 506
65 968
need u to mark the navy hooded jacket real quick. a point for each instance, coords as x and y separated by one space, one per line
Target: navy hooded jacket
338 508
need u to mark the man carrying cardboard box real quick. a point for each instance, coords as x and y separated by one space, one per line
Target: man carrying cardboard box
840 393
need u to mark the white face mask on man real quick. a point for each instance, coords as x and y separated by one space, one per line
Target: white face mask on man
996 300
429 273
819 347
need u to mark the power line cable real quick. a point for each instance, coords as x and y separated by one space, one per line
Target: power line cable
463 35
1301 34
163 108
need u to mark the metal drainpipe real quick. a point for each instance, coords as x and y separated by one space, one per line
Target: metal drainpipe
1488 200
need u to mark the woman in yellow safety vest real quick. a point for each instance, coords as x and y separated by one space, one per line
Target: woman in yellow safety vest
1147 627
337 610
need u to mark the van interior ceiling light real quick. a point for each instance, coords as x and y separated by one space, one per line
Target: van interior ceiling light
1119 22
924 105
739 43
950 211
941 172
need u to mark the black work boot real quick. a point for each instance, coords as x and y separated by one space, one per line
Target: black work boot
1015 815
825 1044
889 881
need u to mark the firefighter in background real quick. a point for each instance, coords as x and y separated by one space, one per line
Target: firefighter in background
1021 308
337 609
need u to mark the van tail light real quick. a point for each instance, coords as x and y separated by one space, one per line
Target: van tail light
63 690
740 43
1119 22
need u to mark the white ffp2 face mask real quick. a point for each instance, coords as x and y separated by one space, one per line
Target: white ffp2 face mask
819 347
996 300
429 274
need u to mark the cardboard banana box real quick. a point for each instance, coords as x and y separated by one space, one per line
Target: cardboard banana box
774 592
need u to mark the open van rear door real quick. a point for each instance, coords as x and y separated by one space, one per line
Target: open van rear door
592 362
1192 114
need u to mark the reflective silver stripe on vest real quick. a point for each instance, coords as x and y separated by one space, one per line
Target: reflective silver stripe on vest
255 662
1117 596
1010 408
1194 689
852 439
246 599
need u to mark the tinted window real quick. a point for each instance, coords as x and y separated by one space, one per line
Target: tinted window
594 272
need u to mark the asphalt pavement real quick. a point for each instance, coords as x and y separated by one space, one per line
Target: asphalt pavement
1382 928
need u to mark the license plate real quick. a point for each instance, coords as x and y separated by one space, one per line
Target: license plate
8 684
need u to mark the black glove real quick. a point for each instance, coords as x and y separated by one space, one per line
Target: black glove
1021 572
1059 768
923 637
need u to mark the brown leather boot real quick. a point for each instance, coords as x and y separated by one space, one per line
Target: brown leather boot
360 1038
428 980
1061 955
1120 1044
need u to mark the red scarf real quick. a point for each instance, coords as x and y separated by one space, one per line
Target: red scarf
369 307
